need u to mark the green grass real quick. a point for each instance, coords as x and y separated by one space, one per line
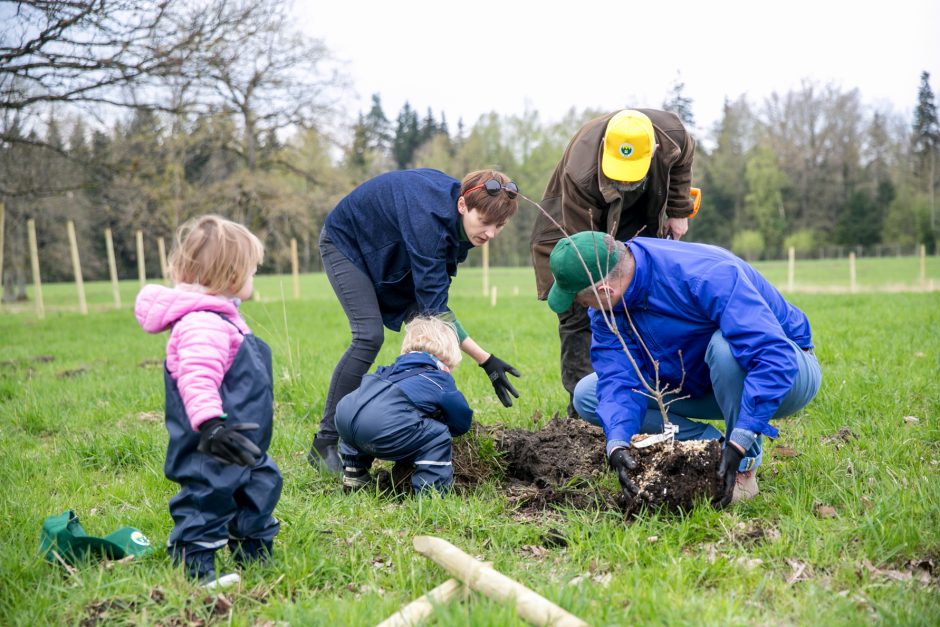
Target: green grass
84 431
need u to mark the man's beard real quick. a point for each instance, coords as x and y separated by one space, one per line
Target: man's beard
622 186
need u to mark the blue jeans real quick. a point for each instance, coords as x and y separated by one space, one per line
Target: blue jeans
722 402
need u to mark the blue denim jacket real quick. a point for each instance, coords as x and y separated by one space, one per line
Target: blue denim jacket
681 293
403 230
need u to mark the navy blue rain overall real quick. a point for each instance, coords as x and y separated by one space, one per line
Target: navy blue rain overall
219 501
378 420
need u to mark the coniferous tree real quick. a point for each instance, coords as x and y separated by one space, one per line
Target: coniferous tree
680 104
406 137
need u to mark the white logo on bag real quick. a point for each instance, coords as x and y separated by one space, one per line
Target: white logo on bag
139 538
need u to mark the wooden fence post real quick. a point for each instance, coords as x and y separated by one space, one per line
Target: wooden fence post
791 267
161 247
853 285
34 261
2 237
923 266
77 269
295 267
141 267
112 268
486 268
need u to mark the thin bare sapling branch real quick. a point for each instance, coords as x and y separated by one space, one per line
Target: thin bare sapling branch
654 390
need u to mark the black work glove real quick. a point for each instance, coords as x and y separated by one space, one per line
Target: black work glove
622 462
223 441
728 471
496 369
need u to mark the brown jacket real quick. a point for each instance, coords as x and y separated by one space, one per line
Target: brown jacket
581 198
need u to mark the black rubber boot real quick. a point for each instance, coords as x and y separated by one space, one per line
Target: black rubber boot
251 550
401 477
324 454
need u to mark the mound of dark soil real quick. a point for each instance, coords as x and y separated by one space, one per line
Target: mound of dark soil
675 475
562 464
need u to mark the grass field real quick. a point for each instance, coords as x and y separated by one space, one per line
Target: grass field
81 400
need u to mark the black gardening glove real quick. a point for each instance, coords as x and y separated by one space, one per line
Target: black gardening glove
622 462
496 369
728 471
223 441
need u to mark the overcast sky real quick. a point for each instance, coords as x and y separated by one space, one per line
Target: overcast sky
467 59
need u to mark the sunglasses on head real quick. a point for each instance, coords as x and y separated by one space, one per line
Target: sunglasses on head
492 187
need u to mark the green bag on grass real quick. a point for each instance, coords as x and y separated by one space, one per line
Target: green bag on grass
63 534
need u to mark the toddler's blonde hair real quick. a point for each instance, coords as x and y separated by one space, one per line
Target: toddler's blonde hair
432 335
216 253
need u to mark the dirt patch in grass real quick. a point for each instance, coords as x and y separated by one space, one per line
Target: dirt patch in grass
564 464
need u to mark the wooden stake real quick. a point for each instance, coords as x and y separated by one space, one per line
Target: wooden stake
791 267
486 268
853 286
493 296
34 260
112 268
423 606
77 268
141 267
482 578
923 266
2 237
161 247
295 267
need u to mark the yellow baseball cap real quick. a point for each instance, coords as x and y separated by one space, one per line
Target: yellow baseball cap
629 142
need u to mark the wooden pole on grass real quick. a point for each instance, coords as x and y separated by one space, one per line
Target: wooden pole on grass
486 268
112 268
478 576
161 247
34 261
423 606
791 267
77 268
141 267
853 285
295 267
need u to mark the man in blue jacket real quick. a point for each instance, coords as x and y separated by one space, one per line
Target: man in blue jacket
727 345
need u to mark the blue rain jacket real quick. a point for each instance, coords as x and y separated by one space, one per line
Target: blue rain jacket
681 293
403 230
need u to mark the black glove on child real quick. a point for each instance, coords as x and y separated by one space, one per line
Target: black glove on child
496 369
622 462
728 471
223 441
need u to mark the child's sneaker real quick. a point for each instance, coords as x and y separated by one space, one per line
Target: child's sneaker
745 486
355 478
251 550
200 566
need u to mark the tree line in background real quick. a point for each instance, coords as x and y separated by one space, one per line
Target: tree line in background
135 115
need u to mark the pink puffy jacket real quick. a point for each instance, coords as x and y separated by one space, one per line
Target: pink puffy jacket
202 346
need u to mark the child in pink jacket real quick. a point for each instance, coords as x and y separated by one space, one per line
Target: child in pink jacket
219 399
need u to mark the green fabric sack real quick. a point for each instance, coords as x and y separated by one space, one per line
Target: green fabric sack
63 534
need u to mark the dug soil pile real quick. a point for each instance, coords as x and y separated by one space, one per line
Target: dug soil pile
563 464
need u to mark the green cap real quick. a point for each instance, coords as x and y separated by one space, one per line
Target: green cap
568 269
65 535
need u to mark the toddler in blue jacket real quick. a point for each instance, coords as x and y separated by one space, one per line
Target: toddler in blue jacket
407 412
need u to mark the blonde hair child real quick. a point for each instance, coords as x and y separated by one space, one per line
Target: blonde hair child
219 399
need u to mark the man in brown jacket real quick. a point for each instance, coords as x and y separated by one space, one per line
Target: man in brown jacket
627 173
